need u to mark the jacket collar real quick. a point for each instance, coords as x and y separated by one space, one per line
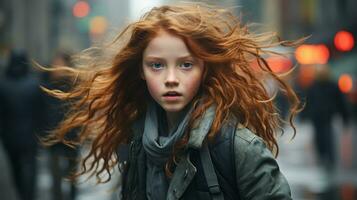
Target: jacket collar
181 179
185 170
200 130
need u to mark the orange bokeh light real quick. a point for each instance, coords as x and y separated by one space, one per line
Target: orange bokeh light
312 54
344 41
279 65
98 25
306 76
81 9
345 83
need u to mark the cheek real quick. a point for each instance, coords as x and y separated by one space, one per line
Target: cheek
192 85
153 86
152 82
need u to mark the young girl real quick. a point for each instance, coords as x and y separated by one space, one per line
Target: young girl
181 92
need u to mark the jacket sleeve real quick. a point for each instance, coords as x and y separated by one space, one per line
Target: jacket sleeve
258 174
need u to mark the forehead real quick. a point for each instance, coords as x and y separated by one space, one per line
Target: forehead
168 45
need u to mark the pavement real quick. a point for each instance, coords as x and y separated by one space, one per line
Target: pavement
310 180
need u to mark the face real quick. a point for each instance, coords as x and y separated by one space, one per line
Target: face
173 76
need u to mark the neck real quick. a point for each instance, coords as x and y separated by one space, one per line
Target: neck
173 118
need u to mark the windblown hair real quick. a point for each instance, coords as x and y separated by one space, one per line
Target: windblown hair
108 94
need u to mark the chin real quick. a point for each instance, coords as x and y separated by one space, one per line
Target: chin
173 108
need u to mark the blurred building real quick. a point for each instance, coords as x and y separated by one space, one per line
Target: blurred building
41 27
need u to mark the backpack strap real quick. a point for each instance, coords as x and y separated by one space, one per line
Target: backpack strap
210 174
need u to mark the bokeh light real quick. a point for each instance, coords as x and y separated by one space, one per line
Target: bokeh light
344 41
98 25
312 54
279 64
345 83
81 9
306 76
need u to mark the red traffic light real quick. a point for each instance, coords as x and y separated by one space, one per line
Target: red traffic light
81 9
344 41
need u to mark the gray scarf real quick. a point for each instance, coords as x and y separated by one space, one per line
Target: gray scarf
158 150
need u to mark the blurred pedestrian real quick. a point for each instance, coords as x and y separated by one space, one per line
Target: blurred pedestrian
21 116
324 100
62 158
7 188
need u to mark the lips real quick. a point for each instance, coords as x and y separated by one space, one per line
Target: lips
172 94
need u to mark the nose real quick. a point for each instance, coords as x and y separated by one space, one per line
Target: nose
171 78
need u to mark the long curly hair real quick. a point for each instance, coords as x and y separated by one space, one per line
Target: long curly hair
108 92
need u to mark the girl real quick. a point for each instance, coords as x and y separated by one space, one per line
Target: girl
180 90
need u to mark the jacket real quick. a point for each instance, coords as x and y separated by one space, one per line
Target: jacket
253 173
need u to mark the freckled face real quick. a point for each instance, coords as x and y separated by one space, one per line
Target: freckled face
173 76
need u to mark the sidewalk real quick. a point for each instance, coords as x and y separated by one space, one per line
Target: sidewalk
87 189
307 178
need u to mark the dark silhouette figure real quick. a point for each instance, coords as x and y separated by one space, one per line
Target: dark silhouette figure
62 158
20 104
323 101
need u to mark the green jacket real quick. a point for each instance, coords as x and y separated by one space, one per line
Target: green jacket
257 173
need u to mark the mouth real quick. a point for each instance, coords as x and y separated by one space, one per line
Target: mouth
172 94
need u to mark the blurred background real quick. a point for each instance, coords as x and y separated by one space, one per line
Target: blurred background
319 163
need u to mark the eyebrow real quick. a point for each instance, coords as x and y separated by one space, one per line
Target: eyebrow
160 58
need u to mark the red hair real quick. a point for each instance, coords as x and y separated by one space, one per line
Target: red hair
108 94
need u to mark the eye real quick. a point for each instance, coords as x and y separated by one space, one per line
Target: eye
156 65
186 65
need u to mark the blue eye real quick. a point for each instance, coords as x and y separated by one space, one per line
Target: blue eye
186 65
156 65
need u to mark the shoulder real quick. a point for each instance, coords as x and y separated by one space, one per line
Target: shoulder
244 135
241 140
249 148
257 172
248 143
